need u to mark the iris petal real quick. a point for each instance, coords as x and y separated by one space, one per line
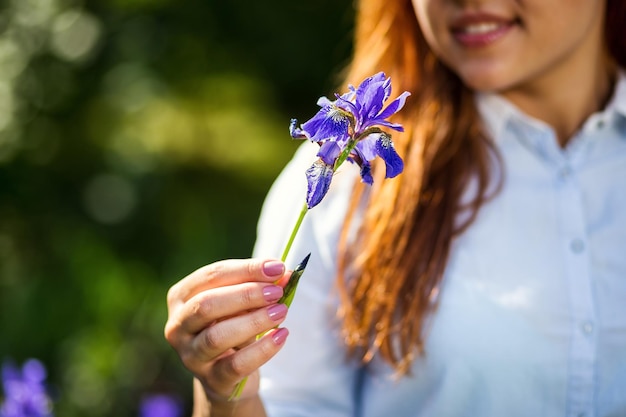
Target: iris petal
359 158
394 126
371 95
370 98
318 176
295 131
329 151
347 105
324 101
366 173
395 106
387 152
330 122
368 148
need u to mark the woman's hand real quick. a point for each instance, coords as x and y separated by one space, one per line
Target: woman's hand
215 314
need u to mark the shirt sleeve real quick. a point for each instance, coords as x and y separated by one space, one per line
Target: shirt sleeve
311 375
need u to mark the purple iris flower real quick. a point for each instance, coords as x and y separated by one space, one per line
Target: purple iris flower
349 128
160 405
24 390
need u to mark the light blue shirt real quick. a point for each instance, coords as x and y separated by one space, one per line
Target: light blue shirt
531 320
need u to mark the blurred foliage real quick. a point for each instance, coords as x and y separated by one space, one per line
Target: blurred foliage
137 141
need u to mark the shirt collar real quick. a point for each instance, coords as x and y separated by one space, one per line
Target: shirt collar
618 101
497 112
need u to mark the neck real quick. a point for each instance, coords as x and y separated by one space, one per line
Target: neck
568 95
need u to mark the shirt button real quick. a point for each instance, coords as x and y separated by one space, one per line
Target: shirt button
600 124
565 172
577 246
587 327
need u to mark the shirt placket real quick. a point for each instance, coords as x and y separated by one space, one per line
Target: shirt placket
575 254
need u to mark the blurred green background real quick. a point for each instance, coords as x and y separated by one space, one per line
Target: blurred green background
137 141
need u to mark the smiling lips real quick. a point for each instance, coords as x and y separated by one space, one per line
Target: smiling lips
475 31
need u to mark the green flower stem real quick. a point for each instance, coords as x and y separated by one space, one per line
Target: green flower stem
238 389
305 208
344 155
294 232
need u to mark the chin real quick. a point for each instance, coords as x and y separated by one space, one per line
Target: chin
486 81
488 75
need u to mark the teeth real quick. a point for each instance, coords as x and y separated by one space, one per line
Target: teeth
479 28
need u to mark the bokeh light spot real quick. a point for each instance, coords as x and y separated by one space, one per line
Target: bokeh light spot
109 198
75 34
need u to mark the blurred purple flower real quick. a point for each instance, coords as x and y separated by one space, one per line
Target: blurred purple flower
160 405
349 128
24 390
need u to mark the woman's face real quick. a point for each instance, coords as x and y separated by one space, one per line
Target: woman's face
499 45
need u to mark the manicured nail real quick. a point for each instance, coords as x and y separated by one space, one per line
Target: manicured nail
280 335
277 312
272 293
273 268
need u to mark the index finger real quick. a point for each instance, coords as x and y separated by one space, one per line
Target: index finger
224 273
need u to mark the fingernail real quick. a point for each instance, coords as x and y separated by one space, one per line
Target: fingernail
277 312
280 335
272 293
273 268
